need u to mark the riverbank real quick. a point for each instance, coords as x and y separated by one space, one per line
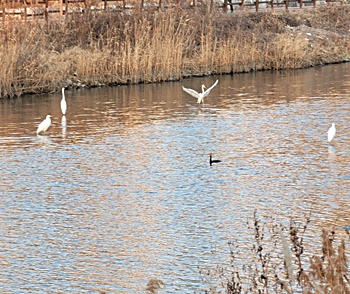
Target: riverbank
112 48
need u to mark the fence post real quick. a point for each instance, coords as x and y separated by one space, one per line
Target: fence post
3 11
25 13
257 5
61 8
47 10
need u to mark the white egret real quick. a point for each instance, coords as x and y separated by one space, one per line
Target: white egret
331 132
63 103
44 125
200 96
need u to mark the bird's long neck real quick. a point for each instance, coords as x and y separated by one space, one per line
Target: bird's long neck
203 88
63 97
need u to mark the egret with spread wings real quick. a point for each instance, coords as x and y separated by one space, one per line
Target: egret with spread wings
200 96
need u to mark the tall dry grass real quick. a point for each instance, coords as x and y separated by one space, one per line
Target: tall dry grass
118 47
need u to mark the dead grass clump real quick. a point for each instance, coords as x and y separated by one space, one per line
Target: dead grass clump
289 51
334 18
328 273
154 285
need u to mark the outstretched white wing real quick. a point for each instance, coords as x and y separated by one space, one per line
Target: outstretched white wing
197 95
206 93
191 92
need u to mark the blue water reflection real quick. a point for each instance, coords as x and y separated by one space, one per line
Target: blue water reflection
120 190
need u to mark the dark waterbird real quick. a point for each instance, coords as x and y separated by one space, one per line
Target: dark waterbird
211 160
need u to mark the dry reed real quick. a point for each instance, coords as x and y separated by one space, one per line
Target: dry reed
105 48
277 264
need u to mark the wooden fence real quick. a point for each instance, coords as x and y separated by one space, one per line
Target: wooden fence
258 4
41 9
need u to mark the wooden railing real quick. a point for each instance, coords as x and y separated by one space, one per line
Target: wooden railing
230 5
34 9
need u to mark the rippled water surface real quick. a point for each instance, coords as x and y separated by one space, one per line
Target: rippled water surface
120 190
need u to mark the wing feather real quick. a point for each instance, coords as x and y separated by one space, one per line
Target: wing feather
191 92
206 93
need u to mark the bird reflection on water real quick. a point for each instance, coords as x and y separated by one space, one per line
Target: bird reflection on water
64 126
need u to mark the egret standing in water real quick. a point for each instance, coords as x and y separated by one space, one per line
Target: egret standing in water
44 125
63 103
197 95
331 132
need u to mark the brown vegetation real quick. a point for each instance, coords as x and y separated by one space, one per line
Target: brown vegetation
117 47
277 263
154 285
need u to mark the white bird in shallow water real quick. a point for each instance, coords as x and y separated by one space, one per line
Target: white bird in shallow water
331 132
44 125
63 103
200 96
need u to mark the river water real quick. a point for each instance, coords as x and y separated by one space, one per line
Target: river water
121 191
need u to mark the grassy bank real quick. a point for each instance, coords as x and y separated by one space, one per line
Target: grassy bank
117 48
